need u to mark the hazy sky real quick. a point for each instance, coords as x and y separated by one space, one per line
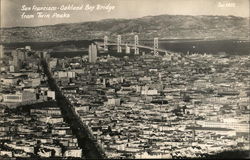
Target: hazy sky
11 10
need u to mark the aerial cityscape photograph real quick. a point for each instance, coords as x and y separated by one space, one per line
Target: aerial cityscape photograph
124 79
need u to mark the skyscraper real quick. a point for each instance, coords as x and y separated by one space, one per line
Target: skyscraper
21 55
1 51
119 42
16 60
92 53
105 43
127 49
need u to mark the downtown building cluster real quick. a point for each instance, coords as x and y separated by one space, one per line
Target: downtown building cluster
22 79
31 123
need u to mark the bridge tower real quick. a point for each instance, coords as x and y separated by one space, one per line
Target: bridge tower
156 46
119 42
136 44
105 43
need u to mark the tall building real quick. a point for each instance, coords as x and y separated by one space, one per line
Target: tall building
1 51
16 60
44 55
119 42
21 55
92 53
105 43
127 49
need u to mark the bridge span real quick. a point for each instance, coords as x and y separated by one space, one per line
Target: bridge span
166 52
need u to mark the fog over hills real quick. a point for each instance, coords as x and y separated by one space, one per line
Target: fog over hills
162 26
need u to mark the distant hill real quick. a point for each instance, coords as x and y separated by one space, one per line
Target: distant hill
162 26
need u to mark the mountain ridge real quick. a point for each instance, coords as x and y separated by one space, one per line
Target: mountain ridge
147 27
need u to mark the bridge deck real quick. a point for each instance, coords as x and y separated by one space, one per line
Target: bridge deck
181 55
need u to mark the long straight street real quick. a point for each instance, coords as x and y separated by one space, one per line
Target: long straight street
85 140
